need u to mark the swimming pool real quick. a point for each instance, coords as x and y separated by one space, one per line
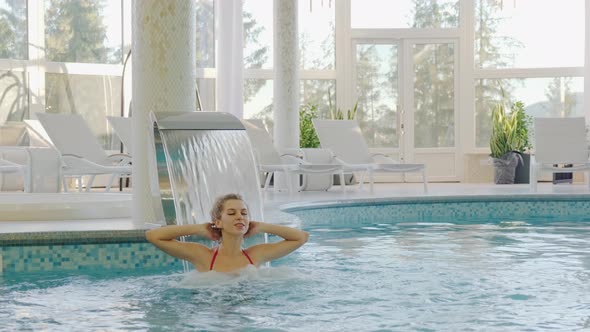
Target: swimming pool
360 275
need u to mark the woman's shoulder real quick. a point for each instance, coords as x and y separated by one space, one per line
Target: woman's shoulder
257 251
197 251
201 255
255 247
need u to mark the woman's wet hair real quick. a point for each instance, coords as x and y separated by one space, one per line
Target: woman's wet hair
217 208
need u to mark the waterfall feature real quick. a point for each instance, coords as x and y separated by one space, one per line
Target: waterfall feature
201 156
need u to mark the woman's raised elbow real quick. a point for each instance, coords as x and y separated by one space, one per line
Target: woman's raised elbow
151 235
304 236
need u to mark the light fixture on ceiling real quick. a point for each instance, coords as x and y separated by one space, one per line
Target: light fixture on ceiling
322 4
502 4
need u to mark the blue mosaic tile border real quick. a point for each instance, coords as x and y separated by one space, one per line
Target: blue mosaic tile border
84 257
457 209
72 237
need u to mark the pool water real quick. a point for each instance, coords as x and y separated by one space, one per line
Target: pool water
418 276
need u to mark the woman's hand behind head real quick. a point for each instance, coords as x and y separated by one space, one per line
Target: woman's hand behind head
213 233
253 229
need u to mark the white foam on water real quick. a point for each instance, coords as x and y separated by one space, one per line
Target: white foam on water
196 280
513 223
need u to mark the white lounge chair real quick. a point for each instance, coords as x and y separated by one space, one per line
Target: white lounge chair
40 168
346 141
81 153
123 128
269 161
559 141
7 167
37 134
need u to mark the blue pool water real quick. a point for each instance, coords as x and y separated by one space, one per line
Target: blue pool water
494 275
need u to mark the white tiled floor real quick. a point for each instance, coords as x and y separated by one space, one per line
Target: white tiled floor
273 201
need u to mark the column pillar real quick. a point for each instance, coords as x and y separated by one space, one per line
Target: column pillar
164 80
230 58
286 75
587 60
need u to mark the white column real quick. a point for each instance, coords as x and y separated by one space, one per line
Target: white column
286 78
164 80
587 61
230 58
465 141
286 75
587 68
36 48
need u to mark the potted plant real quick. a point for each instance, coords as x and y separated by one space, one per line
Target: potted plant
339 115
307 135
523 123
504 142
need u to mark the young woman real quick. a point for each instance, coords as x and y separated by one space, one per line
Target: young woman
230 225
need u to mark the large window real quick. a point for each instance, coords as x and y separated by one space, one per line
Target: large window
316 36
258 34
542 97
87 31
13 29
381 14
529 33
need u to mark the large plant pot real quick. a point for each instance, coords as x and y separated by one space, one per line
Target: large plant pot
505 168
523 169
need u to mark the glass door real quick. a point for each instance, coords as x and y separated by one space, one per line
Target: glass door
376 86
406 92
431 104
377 92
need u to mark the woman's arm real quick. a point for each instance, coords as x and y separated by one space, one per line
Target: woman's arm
165 239
292 239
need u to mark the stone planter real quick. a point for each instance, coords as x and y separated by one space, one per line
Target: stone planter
505 168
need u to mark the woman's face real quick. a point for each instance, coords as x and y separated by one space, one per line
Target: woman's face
234 218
